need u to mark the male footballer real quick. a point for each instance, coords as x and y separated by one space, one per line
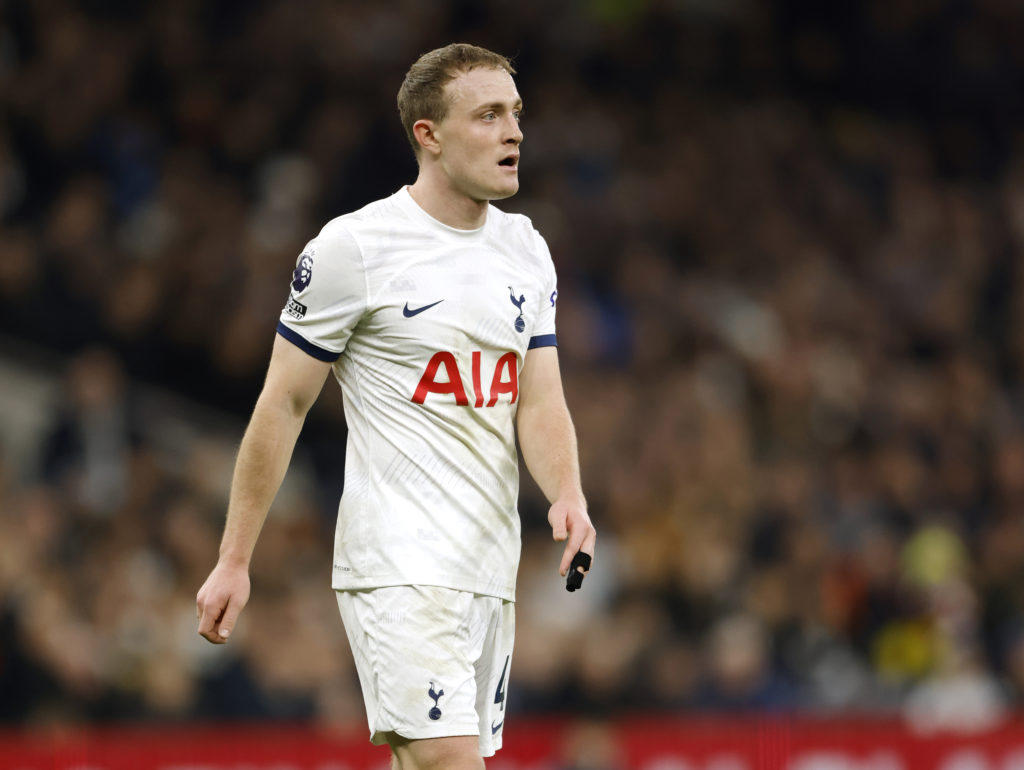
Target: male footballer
436 312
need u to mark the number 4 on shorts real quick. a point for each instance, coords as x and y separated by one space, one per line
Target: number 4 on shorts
499 694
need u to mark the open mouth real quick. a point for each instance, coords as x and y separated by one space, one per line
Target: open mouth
510 162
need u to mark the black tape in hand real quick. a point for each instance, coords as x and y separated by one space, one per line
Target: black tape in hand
574 579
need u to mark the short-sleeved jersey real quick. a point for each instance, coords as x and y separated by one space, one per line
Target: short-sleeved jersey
428 327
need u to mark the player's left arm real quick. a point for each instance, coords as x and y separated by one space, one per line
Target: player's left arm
547 439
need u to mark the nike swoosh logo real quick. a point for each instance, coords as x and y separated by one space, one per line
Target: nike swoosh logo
410 313
496 727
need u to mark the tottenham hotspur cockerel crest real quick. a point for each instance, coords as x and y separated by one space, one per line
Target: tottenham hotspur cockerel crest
520 324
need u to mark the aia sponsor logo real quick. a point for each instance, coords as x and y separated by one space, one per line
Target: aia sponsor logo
451 382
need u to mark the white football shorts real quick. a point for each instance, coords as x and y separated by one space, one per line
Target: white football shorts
432 662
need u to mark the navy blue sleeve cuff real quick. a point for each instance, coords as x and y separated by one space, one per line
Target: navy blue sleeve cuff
305 345
542 341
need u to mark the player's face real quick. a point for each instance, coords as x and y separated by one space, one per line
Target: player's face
480 136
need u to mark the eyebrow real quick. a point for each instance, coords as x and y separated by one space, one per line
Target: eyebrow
517 104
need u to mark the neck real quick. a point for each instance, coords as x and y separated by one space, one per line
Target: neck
446 205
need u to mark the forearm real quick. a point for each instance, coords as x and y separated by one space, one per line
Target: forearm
547 439
263 459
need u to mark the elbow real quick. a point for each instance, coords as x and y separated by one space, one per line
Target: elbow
298 405
285 405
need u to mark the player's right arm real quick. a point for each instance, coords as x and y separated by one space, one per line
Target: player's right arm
293 382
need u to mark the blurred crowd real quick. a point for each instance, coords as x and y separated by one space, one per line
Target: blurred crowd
791 325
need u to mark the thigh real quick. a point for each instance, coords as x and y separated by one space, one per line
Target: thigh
455 753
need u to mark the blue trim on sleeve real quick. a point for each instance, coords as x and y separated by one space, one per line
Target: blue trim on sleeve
542 341
305 345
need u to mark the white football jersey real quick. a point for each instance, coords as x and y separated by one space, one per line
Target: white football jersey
428 327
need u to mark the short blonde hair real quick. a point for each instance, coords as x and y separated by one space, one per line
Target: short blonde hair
422 96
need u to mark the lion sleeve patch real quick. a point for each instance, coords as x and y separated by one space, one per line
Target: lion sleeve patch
303 272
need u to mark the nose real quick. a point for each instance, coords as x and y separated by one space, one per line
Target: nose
515 133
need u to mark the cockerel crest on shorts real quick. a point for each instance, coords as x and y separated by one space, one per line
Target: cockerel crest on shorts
435 712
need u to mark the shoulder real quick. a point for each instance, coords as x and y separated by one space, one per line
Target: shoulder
334 255
518 229
346 235
348 226
509 221
335 243
373 213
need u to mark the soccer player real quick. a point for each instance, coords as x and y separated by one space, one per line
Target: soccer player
436 312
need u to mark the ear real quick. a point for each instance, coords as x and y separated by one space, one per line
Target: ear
424 131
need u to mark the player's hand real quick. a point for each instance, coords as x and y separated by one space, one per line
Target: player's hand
220 600
570 522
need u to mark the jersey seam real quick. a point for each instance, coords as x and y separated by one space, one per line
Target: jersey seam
371 440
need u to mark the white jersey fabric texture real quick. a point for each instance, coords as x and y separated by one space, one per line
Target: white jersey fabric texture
428 327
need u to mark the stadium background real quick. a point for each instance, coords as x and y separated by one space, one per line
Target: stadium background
791 321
